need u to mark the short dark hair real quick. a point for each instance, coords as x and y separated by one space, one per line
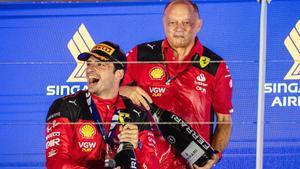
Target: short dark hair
193 4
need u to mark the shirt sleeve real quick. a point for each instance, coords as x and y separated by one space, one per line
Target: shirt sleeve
222 91
58 138
147 153
130 67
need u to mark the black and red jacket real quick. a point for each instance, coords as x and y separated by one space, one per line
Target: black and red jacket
72 138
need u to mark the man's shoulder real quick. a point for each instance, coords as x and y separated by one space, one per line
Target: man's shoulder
151 43
150 51
67 106
75 99
212 55
137 113
209 61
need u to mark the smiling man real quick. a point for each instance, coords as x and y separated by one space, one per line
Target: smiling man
181 75
83 129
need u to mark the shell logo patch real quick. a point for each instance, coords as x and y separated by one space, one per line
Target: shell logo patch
204 61
87 131
156 73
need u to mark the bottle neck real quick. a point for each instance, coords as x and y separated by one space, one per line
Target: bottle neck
125 146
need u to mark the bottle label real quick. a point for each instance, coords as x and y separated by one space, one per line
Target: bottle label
192 152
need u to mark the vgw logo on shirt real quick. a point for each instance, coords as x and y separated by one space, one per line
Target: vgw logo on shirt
79 43
287 94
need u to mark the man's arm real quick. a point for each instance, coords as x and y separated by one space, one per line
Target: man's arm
146 152
222 132
220 138
58 144
58 138
137 95
222 103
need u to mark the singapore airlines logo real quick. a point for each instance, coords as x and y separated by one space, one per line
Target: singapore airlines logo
292 43
286 94
80 42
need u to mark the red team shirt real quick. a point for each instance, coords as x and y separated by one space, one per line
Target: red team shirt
194 92
72 138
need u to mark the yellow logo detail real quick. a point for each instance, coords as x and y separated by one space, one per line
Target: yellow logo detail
104 48
87 131
292 43
157 73
156 94
86 150
122 117
80 42
204 61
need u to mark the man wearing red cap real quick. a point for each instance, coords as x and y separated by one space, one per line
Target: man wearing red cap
83 129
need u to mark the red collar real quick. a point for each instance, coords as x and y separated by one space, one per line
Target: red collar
116 102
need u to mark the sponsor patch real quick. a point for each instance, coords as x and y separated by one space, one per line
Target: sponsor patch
87 131
52 152
104 48
52 143
201 77
51 126
122 117
204 61
157 91
201 89
53 134
57 114
87 146
156 73
138 112
200 84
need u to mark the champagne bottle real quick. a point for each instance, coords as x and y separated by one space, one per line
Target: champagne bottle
182 136
125 157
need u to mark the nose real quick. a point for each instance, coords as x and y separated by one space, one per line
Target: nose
90 68
179 26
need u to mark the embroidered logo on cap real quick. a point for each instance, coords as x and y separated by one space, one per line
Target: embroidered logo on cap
104 48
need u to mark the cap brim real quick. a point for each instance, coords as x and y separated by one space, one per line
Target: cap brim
84 56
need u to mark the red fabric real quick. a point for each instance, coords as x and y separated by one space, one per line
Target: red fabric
79 145
191 95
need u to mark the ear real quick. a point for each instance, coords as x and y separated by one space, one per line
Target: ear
198 24
119 74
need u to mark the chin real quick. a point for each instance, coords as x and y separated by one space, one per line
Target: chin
91 90
180 45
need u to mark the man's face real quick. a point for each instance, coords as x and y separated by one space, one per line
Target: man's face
101 77
181 25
